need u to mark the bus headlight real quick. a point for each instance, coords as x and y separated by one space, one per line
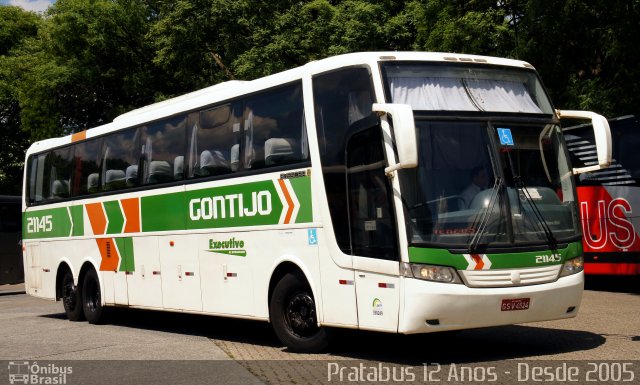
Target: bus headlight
430 272
572 266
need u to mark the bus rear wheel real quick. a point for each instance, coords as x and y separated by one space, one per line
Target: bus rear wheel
71 298
92 298
293 316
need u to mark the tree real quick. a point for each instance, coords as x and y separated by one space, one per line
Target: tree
586 52
478 27
90 62
312 30
86 62
16 25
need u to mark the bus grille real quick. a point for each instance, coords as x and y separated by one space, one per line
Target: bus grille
510 277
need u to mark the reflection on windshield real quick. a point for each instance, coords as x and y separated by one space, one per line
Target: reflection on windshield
475 187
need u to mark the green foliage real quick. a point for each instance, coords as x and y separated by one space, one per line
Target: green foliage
87 61
16 26
476 27
586 52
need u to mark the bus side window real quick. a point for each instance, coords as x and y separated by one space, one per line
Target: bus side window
274 131
121 150
38 187
60 170
164 144
214 135
86 175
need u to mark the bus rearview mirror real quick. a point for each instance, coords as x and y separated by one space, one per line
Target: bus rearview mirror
602 135
404 130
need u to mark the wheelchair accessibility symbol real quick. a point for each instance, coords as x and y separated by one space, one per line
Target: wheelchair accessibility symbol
313 237
506 139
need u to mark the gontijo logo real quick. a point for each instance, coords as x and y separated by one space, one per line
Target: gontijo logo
230 206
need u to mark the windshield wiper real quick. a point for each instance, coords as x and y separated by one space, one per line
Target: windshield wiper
486 215
553 242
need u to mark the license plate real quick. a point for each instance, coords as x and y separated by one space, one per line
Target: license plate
515 304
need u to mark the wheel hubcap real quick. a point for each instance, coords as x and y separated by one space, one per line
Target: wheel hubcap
301 315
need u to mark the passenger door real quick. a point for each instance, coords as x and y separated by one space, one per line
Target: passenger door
373 232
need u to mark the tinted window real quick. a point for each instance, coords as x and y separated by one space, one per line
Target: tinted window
121 155
38 180
260 131
215 141
343 101
87 167
626 142
164 145
370 205
274 130
625 162
59 166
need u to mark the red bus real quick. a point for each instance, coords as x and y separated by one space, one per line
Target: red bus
609 199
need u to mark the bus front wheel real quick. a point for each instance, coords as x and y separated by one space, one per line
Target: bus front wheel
293 316
71 298
92 298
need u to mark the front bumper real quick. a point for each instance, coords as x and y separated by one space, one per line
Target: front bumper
457 306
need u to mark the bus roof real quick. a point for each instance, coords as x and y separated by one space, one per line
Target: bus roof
235 88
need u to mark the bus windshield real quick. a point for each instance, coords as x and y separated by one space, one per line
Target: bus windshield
489 184
486 182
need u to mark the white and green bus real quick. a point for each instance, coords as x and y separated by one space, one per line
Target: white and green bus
400 192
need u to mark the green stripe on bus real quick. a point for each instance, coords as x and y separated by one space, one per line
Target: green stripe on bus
114 216
77 216
498 261
125 248
302 188
163 212
48 223
250 204
437 257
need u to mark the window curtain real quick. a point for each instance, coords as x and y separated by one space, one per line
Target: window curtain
453 94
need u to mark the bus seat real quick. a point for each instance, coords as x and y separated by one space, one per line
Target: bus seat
279 151
235 157
131 176
160 171
178 167
60 189
114 179
213 163
93 182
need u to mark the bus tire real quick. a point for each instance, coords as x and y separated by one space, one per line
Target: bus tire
94 312
71 298
293 316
